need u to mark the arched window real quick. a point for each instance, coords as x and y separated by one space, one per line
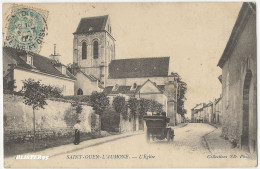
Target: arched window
95 50
84 50
79 92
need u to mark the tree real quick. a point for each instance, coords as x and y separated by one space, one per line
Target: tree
119 105
99 101
35 95
133 105
182 88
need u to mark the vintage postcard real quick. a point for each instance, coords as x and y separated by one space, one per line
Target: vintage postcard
129 85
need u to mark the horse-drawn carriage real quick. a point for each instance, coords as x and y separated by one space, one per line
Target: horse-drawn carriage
158 127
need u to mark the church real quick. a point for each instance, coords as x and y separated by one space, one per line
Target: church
97 69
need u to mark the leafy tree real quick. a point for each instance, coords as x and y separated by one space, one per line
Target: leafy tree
35 95
99 101
120 106
133 105
182 88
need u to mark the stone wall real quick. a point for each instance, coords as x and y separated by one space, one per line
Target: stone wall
126 125
56 119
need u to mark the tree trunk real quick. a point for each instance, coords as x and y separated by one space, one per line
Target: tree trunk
33 129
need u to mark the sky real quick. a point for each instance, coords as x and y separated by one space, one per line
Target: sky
194 35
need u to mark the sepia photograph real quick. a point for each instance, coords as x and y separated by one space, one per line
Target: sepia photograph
129 85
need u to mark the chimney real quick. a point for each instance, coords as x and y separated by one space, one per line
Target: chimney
55 56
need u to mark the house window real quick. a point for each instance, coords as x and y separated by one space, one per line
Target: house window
115 88
227 90
134 86
95 50
84 50
79 92
29 60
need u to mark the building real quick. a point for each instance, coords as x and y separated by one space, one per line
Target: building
96 67
20 65
195 115
239 81
217 111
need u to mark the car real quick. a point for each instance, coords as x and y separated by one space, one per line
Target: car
158 127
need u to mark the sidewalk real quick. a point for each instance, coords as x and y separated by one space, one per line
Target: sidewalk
69 148
219 146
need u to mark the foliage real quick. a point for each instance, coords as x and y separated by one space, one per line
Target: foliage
110 120
70 117
99 101
120 106
35 93
144 106
133 105
182 88
156 106
52 91
77 106
93 120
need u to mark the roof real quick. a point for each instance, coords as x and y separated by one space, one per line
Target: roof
92 24
123 89
247 9
40 63
139 67
90 76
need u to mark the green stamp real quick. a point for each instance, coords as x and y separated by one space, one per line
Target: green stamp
27 28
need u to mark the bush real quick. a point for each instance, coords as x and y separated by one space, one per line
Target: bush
110 120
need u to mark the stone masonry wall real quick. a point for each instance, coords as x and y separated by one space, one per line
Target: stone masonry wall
56 119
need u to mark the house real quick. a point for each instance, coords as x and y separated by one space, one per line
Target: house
148 90
239 81
217 111
19 65
196 113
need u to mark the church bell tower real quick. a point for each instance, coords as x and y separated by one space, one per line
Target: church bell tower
94 47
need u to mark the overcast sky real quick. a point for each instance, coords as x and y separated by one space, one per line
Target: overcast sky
194 35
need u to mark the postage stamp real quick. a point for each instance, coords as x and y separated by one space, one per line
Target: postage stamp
27 28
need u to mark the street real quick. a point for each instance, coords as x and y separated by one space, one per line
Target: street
189 149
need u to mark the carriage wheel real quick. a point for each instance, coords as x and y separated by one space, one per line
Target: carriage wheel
168 135
148 136
172 135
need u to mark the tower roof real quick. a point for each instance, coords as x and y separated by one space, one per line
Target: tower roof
92 24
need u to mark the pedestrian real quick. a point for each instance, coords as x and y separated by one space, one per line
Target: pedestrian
77 132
